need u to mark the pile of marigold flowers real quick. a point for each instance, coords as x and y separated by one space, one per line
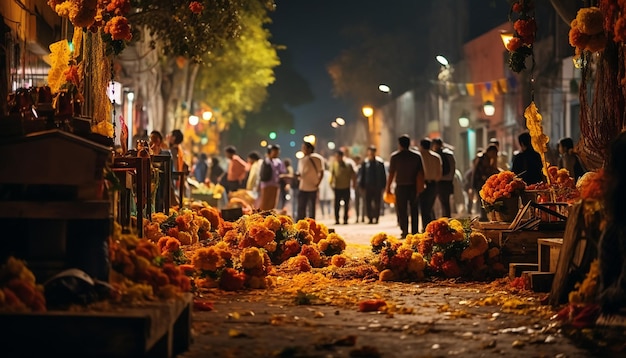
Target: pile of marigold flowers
501 186
241 254
18 290
561 184
447 248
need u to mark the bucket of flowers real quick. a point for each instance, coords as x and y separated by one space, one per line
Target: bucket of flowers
501 194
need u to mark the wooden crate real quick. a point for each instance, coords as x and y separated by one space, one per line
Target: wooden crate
548 253
521 245
154 329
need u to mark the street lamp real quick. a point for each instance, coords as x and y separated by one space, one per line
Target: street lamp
442 61
464 120
334 124
384 88
506 37
367 111
340 121
489 109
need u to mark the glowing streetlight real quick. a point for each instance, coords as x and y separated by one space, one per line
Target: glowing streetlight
464 120
340 121
207 115
194 120
489 109
506 37
384 88
367 111
263 143
442 60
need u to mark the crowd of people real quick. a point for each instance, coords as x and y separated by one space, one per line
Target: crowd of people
421 178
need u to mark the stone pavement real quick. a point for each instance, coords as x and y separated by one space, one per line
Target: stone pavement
428 319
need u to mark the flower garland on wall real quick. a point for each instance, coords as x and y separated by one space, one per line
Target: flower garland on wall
521 45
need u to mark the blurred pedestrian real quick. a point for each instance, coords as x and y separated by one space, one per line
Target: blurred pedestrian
342 178
372 178
236 171
405 168
432 174
310 172
527 164
270 185
568 159
445 186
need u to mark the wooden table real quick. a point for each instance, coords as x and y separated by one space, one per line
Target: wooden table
161 329
141 169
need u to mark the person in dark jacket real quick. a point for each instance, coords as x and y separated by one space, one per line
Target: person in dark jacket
372 178
527 163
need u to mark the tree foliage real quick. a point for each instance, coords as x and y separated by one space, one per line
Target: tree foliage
187 33
233 79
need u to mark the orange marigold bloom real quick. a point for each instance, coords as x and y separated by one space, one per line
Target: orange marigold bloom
118 7
312 254
232 280
300 263
514 43
261 235
207 259
196 7
118 28
339 260
172 245
577 38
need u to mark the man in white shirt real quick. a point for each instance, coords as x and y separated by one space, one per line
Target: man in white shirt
310 172
445 186
432 174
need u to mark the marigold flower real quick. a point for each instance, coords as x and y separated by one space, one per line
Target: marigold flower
207 259
232 280
196 7
416 263
272 222
261 235
332 244
118 28
451 268
118 7
312 254
251 258
590 20
300 263
514 43
339 260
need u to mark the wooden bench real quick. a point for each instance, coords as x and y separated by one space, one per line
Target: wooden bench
154 329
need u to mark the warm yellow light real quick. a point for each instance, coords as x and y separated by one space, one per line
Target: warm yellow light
340 121
263 143
310 138
299 154
384 88
193 120
489 109
506 37
207 115
334 124
367 111
332 145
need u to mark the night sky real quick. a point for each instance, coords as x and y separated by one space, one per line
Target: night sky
315 32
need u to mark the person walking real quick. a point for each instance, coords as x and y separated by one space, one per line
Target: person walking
325 193
342 177
269 175
252 181
236 171
445 186
485 166
432 174
310 173
527 163
569 160
359 193
372 178
405 168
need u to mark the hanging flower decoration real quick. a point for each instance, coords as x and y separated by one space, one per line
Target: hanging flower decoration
108 15
196 7
587 32
521 45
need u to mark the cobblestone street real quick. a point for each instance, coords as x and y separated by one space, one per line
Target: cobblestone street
425 319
